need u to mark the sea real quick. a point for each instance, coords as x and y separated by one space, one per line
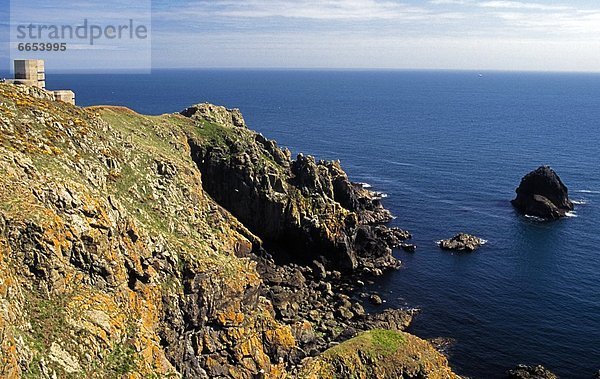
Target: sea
448 149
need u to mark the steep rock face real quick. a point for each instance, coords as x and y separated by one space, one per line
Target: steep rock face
379 354
302 209
543 194
113 261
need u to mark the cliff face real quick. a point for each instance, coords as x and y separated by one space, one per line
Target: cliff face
301 208
115 262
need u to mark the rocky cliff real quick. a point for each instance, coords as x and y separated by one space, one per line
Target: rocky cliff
302 209
142 247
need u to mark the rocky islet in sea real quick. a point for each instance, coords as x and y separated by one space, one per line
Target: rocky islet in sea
542 194
462 242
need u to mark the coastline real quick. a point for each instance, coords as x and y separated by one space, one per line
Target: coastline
126 217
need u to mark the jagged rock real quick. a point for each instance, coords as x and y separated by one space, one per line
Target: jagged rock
216 114
462 242
542 194
345 313
302 209
390 319
442 344
375 299
409 248
319 270
393 237
530 372
358 309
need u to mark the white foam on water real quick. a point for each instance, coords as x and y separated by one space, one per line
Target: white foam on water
535 218
483 242
588 191
579 202
364 185
571 214
399 163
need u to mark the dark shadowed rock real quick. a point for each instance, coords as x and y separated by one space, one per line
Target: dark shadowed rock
542 194
390 319
375 300
462 242
303 209
530 372
409 248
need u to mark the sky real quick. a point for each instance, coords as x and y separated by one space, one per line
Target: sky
365 34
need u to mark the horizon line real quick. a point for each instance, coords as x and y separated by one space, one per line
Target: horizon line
313 69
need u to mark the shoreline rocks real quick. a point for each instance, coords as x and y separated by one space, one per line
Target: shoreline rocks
462 242
530 372
321 308
543 194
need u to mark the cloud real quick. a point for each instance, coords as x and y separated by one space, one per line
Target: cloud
523 6
312 9
449 2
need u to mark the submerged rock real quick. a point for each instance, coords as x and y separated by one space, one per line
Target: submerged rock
542 194
530 372
409 248
462 242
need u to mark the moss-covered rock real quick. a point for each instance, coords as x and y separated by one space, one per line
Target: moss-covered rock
379 354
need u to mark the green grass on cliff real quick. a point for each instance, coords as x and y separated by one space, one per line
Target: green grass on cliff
375 343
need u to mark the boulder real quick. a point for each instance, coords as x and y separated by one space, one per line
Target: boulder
376 299
409 248
462 242
530 372
542 194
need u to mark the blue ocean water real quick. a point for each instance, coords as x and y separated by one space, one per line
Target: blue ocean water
449 148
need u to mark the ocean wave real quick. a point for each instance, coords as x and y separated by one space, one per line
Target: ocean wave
571 214
579 202
588 191
535 218
381 195
399 163
364 185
